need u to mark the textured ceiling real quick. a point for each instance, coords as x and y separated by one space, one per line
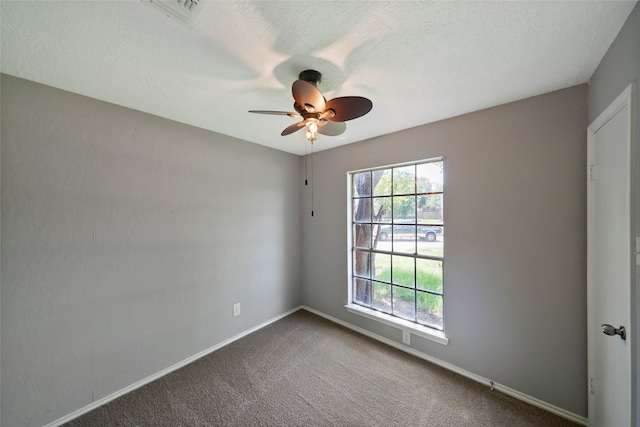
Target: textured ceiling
418 62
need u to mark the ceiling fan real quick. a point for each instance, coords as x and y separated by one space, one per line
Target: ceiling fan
319 115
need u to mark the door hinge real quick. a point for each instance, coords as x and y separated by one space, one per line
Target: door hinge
592 388
592 172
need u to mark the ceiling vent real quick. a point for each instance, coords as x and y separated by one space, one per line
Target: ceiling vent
182 10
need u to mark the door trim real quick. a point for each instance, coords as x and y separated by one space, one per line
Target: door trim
626 98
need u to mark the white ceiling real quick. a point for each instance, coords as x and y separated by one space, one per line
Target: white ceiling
418 62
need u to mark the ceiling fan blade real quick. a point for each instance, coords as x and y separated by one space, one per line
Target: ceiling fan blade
276 113
332 128
308 96
294 127
348 108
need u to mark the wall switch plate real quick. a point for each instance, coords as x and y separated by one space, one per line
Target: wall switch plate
236 309
406 337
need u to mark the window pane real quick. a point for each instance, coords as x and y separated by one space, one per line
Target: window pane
381 297
361 291
430 208
404 303
404 232
430 233
385 232
404 209
430 310
430 177
362 184
404 238
429 275
427 246
362 210
361 263
385 204
403 270
362 236
382 267
383 188
374 235
404 180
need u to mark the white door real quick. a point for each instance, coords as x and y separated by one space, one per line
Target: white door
611 270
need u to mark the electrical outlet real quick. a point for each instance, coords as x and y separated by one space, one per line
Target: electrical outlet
406 337
236 309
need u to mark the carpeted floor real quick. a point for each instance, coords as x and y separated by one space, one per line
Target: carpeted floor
304 370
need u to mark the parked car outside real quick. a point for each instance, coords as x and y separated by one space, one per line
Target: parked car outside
408 231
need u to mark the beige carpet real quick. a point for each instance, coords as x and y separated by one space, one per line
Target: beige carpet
306 371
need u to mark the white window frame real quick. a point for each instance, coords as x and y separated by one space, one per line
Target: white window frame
387 319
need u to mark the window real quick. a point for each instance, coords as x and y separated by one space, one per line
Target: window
397 235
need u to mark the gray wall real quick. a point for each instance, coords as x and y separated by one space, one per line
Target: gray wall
619 67
0 262
126 239
515 248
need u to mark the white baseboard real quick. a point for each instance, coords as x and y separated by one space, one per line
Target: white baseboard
496 386
163 372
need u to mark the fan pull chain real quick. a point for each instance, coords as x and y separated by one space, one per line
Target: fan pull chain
306 174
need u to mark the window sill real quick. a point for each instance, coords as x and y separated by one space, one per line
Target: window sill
421 331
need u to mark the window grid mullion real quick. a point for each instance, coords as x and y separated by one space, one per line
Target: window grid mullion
415 243
392 287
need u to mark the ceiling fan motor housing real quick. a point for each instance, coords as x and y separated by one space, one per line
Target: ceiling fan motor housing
312 76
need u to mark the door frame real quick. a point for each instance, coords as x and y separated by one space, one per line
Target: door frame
626 98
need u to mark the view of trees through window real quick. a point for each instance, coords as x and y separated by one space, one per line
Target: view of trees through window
398 241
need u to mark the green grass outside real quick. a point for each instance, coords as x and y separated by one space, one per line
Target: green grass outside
428 277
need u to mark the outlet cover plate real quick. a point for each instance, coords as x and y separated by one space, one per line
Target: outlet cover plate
236 309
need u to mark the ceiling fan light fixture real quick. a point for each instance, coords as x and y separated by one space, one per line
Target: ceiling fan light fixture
311 136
